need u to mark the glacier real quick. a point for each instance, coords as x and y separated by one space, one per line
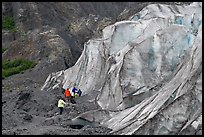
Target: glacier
141 68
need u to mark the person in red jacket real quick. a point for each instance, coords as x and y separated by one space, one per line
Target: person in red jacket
67 95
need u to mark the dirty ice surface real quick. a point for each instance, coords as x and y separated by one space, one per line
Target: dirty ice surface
140 65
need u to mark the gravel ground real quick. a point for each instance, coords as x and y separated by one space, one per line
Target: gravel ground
34 112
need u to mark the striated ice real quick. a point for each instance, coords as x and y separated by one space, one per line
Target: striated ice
144 51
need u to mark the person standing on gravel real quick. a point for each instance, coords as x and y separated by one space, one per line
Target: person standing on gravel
79 92
61 105
74 90
67 95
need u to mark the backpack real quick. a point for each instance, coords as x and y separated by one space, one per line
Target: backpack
76 95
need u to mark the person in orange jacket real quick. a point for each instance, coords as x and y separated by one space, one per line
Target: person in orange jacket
67 95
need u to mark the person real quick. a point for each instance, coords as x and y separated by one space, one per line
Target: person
61 105
79 92
74 90
67 95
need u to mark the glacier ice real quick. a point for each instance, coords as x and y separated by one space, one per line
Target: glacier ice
135 53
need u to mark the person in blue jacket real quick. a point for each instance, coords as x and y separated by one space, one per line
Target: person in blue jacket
74 90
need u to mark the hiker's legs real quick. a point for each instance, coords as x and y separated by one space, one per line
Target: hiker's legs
61 110
72 100
67 99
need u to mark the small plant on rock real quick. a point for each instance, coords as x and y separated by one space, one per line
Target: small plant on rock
11 67
8 23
